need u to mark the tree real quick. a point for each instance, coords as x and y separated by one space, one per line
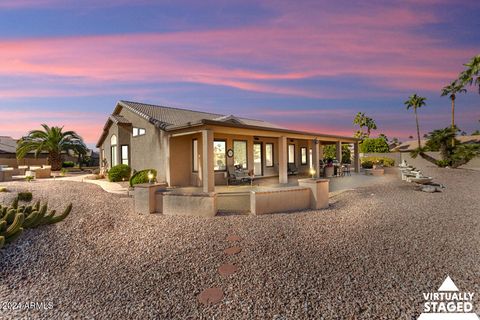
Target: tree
416 102
377 145
330 152
52 140
364 122
471 76
452 90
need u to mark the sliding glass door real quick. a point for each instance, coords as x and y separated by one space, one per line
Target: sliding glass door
257 159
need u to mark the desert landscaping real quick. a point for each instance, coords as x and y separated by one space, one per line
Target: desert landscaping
371 255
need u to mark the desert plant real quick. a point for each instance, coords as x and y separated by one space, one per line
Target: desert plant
3 189
415 102
369 162
142 177
471 76
68 164
452 90
52 140
119 172
364 122
29 178
374 145
14 219
25 196
330 152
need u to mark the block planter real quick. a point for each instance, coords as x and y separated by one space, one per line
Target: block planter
145 197
319 192
282 200
374 172
329 172
190 204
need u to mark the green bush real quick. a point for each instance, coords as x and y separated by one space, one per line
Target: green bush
68 164
25 196
369 145
368 162
330 153
3 189
119 172
142 177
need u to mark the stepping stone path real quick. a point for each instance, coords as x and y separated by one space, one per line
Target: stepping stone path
210 296
232 250
214 295
227 269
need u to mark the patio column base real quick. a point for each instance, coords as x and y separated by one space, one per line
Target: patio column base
146 198
319 192
190 204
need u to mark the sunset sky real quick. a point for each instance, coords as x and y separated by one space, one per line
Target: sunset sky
309 65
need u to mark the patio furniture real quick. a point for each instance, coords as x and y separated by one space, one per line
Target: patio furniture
236 175
346 170
292 169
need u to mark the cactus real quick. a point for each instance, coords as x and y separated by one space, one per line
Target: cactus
28 223
3 225
2 241
36 207
15 203
60 217
15 226
14 236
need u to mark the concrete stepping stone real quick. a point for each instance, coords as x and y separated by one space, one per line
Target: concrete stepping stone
232 250
233 238
210 296
227 269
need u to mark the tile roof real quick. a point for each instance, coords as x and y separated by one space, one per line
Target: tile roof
8 145
119 119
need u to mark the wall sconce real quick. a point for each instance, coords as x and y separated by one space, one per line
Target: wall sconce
312 173
150 177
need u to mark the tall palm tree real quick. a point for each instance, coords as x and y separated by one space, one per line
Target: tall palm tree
472 74
452 90
415 102
52 140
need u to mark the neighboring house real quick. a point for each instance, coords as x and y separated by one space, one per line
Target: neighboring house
172 141
413 144
8 154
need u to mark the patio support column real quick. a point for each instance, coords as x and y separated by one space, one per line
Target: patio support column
282 160
320 151
208 173
356 157
316 158
339 151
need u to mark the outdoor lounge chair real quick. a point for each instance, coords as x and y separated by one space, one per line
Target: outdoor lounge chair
238 176
292 168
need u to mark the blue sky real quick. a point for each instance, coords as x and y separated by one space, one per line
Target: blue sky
308 65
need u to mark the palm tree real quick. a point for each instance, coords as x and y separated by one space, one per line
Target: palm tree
363 121
452 90
472 74
415 102
52 140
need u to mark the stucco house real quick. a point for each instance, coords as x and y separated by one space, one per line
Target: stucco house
193 148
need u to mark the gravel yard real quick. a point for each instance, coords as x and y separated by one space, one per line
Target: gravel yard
370 256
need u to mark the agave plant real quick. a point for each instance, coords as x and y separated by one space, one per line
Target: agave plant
52 140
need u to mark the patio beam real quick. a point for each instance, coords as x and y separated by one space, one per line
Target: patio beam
356 157
339 151
208 173
282 160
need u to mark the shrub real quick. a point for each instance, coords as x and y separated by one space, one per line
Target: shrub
368 162
370 145
3 189
142 177
330 153
25 196
119 172
68 164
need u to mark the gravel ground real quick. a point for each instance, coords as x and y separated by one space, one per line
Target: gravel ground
370 256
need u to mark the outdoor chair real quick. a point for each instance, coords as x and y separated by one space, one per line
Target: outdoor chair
346 170
238 176
292 168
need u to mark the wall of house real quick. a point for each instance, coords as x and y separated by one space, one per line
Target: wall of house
181 161
146 151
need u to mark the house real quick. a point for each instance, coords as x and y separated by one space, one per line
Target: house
193 148
411 145
8 155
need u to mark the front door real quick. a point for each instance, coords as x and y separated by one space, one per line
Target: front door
257 159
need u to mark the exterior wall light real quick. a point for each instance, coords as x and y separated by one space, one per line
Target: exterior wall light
312 172
150 177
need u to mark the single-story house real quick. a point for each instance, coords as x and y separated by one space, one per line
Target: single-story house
8 155
193 148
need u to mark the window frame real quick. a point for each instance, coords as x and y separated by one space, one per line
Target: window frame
273 155
113 147
138 132
302 149
246 151
294 153
128 154
225 142
194 154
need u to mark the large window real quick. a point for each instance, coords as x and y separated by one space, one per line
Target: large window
138 132
113 151
303 153
269 154
195 155
125 155
219 155
291 153
240 153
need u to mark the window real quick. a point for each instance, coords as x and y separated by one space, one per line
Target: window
195 155
303 153
219 155
125 154
113 151
291 153
138 132
240 153
269 154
